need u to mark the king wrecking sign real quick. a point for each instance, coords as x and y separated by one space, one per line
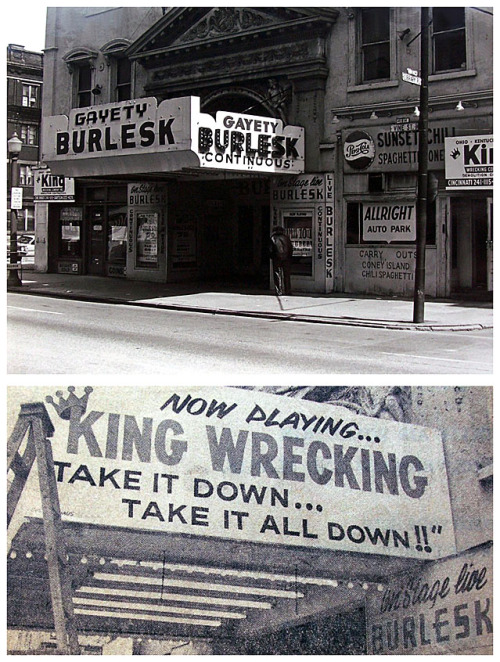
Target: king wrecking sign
140 136
248 466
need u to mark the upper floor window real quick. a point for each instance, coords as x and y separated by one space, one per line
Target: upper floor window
25 175
375 44
123 87
448 39
84 85
81 65
31 96
29 134
120 69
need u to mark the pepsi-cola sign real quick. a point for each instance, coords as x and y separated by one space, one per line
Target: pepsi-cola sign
359 150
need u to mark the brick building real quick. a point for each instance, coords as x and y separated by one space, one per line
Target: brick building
24 112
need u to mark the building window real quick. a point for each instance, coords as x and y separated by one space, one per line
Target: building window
29 134
29 219
375 48
123 87
31 96
84 86
448 39
25 175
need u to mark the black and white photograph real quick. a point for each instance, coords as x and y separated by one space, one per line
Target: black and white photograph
198 184
205 207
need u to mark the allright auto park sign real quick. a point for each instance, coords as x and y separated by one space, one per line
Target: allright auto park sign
469 162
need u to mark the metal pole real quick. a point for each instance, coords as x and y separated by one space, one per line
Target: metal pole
423 123
13 278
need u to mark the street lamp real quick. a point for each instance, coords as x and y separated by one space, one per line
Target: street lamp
14 146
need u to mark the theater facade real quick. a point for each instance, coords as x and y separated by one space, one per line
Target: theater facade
187 143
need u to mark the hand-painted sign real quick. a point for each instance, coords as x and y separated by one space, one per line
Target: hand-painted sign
445 608
469 162
390 150
244 465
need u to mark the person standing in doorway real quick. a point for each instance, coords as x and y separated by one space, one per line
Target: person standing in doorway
281 250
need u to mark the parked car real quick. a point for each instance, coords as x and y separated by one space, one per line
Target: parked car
26 248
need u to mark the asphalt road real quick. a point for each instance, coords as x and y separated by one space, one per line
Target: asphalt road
61 336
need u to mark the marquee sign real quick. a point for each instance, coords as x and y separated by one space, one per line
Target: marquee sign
244 142
244 465
140 136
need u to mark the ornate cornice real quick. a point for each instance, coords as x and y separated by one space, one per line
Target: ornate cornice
224 21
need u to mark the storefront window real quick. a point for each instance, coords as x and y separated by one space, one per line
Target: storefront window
298 226
70 232
147 239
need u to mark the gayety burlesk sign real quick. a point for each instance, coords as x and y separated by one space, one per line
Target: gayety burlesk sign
247 466
244 142
141 136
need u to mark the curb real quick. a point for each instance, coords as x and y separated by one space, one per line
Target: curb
288 317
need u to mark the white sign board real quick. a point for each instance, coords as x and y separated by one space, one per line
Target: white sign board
389 222
245 465
469 162
53 188
411 78
233 141
16 197
141 135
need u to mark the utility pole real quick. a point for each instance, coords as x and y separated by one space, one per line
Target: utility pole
423 123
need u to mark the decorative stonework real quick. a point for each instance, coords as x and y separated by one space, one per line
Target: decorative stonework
224 21
288 54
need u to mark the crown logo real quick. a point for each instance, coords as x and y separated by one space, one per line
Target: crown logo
72 406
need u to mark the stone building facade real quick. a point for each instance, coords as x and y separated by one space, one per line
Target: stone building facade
344 76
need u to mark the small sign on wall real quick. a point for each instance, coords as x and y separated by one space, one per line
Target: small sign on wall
389 222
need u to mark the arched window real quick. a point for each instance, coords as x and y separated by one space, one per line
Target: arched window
120 69
81 64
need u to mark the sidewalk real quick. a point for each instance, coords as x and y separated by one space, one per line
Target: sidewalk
440 315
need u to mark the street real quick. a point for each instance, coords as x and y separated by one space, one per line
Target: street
60 336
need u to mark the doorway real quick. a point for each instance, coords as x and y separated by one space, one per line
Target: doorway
469 228
107 240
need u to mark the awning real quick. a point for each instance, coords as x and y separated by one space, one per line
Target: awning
140 583
125 165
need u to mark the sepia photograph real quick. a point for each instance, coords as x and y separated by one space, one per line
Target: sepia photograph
250 521
205 205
